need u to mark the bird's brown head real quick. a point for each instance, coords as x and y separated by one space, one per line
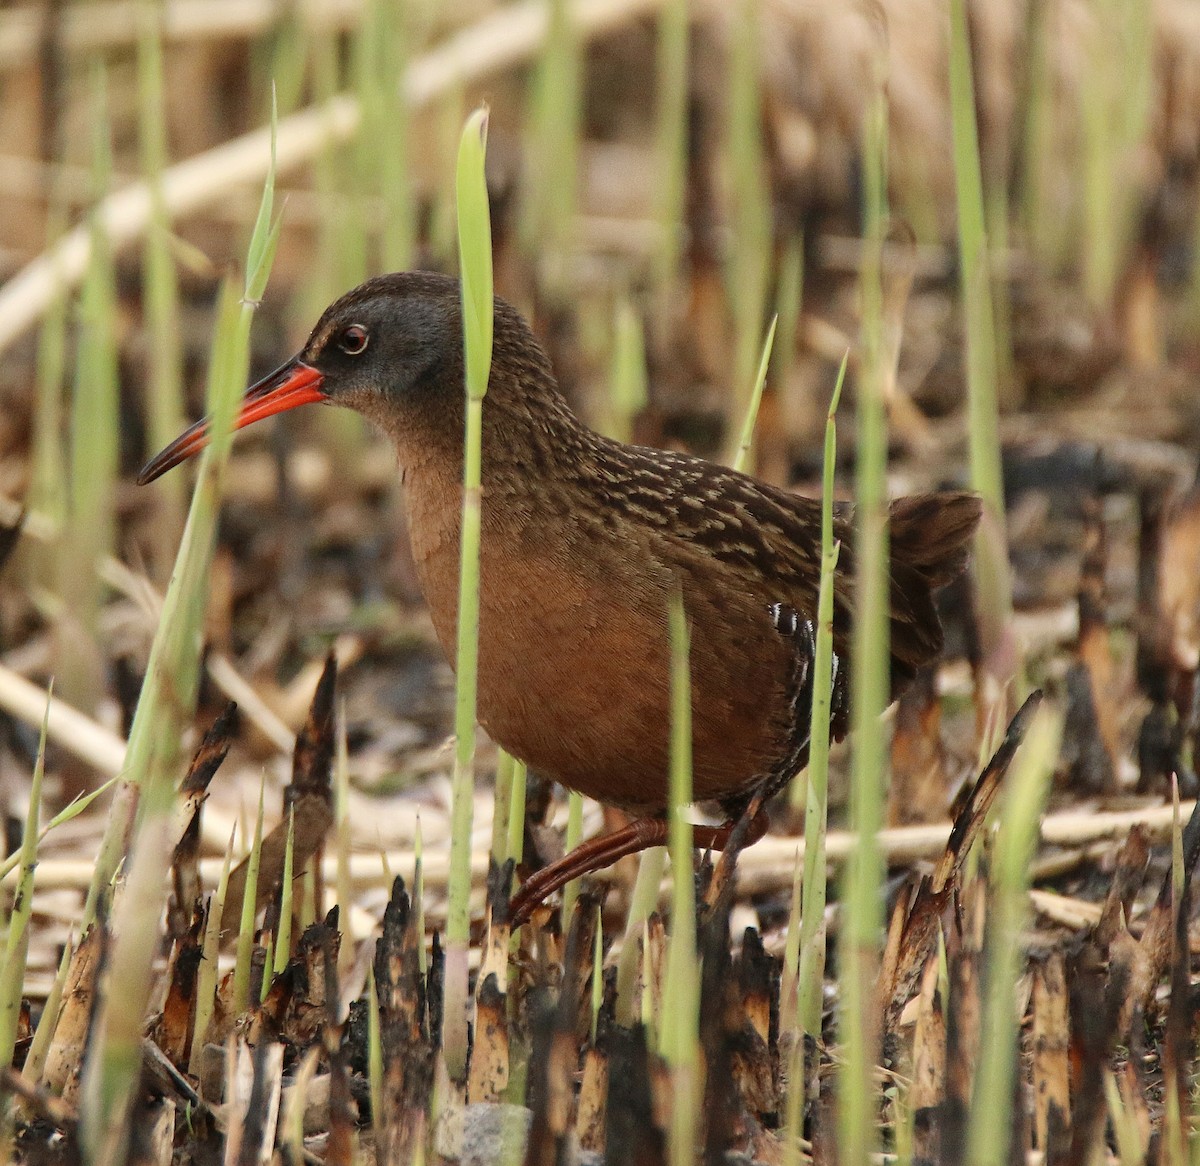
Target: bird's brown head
391 349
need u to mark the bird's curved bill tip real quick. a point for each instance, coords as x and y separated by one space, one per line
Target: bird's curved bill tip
288 387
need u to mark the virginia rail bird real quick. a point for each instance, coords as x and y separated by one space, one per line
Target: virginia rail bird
584 540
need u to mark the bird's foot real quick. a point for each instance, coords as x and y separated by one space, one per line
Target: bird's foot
602 851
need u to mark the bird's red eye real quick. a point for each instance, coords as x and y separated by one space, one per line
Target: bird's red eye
353 339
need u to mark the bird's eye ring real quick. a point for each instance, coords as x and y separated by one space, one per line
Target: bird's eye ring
353 339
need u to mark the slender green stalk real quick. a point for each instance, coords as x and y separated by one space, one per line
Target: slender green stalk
398 243
991 1121
791 953
283 941
345 886
161 291
793 1107
475 259
167 700
574 838
548 225
172 674
670 113
861 929
206 976
94 454
1115 90
35 1059
245 938
680 1040
71 810
811 975
1124 1124
743 460
48 474
750 255
516 814
16 944
992 570
642 902
1037 160
502 805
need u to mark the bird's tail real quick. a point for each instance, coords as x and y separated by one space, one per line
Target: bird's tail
929 540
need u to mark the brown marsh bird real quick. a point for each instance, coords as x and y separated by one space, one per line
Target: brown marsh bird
584 541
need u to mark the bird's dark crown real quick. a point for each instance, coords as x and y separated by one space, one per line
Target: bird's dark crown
392 348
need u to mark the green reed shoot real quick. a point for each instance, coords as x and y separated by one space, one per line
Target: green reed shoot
671 144
43 1034
991 1121
1124 1125
501 806
743 459
48 473
811 975
206 975
94 454
1115 92
475 261
283 941
342 825
245 936
16 944
680 1041
574 837
651 864
983 420
386 128
165 705
516 813
548 221
750 257
160 297
862 923
72 810
1037 132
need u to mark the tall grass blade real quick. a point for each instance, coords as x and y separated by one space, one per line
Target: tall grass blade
862 923
680 1040
475 260
94 461
153 758
743 460
16 944
548 225
671 143
992 570
811 973
991 1112
574 837
245 937
206 975
161 290
750 254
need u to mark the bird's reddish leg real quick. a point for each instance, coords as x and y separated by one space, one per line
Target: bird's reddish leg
603 851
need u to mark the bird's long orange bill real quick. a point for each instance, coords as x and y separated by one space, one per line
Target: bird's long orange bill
288 387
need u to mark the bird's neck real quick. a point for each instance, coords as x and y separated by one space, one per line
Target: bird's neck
533 457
